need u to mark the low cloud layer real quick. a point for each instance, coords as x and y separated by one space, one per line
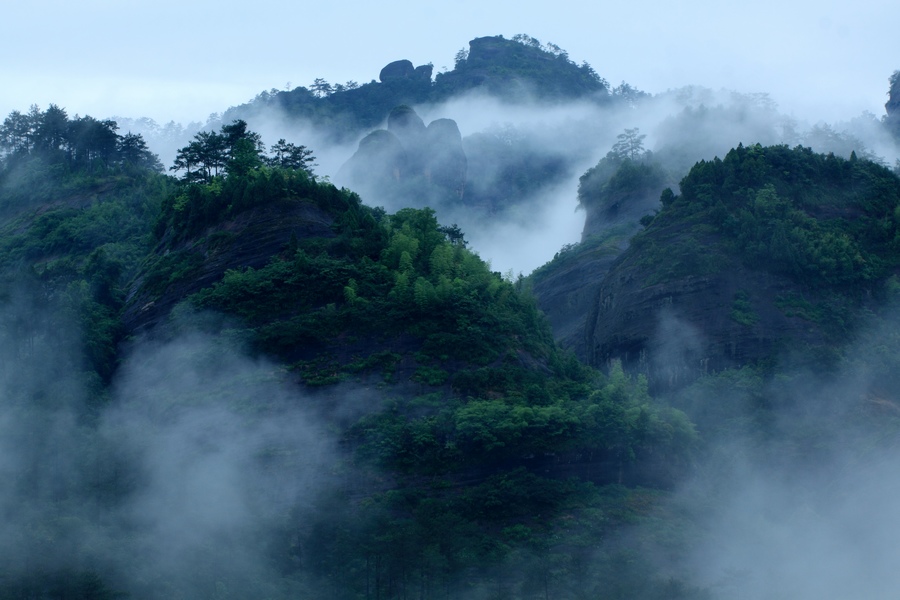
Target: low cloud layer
796 497
682 126
175 484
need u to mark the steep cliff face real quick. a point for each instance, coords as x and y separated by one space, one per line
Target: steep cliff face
767 250
446 164
620 191
680 329
892 106
614 194
566 288
250 239
379 160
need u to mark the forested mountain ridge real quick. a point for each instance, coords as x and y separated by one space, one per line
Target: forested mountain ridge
358 281
520 68
76 200
790 245
622 191
479 437
243 381
486 173
766 250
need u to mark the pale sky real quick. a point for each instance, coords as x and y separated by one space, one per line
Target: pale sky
183 60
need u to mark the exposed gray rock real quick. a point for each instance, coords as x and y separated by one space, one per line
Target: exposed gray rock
406 124
430 158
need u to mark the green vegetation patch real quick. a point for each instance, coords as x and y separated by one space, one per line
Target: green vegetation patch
818 219
742 310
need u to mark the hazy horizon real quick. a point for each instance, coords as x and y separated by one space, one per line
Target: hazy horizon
166 61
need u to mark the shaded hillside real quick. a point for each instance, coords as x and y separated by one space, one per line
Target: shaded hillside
566 287
339 290
618 194
624 188
246 239
767 251
77 204
475 397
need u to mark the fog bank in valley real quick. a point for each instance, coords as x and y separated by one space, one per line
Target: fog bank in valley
795 495
682 126
180 481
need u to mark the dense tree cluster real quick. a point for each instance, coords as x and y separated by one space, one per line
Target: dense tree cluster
625 184
493 463
493 393
321 88
544 70
81 142
236 150
629 145
820 219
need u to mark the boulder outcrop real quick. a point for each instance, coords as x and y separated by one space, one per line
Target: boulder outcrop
399 69
430 158
403 69
379 160
423 72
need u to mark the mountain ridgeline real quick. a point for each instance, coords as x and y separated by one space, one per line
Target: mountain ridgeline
240 380
518 69
401 162
766 251
456 416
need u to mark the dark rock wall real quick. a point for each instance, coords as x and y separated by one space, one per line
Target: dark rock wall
445 165
251 239
678 330
566 294
380 159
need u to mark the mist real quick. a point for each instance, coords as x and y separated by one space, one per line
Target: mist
796 495
179 482
682 126
202 469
